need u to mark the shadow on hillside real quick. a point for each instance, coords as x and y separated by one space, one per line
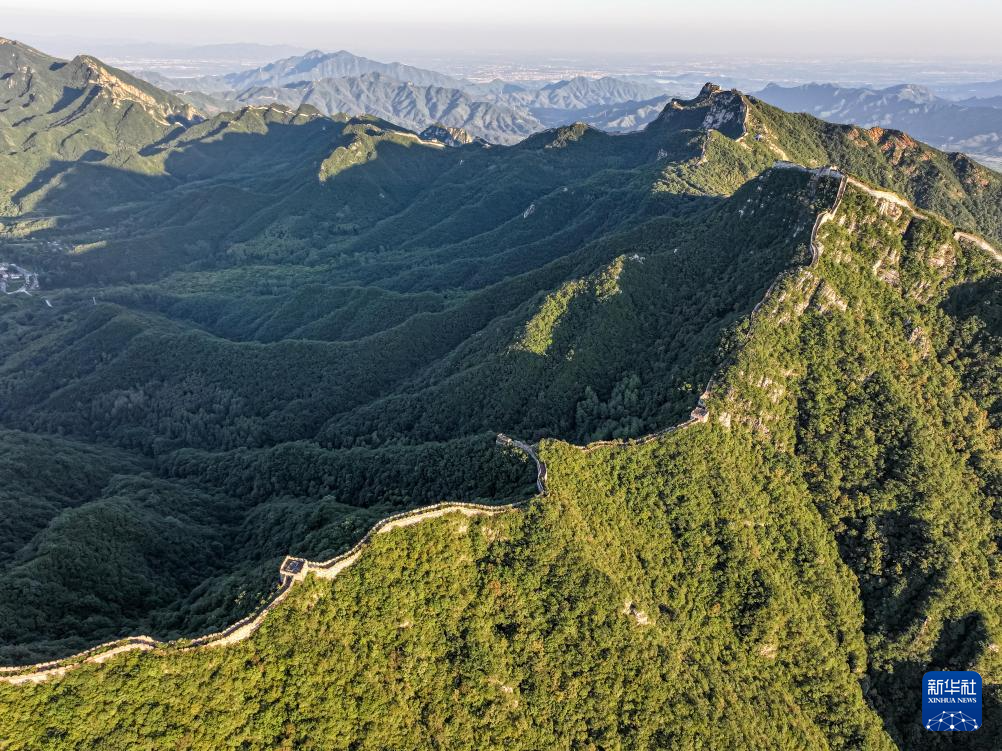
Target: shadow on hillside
53 170
148 218
978 308
896 694
907 538
980 299
191 199
70 94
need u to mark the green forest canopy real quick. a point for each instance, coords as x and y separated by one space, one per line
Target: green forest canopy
257 346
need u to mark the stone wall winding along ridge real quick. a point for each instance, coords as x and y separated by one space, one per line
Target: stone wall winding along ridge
294 569
291 571
979 242
701 412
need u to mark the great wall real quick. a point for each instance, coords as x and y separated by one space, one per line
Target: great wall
291 571
295 569
701 412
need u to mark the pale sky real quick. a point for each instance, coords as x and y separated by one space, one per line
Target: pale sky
918 29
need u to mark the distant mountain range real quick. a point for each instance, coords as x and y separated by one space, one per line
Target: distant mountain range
504 112
993 101
412 106
965 91
499 111
596 101
316 66
579 93
973 126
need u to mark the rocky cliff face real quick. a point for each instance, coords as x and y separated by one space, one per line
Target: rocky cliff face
43 85
713 109
449 136
85 71
56 115
973 126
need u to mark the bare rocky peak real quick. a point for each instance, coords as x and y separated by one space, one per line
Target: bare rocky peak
448 136
712 109
85 71
51 86
708 90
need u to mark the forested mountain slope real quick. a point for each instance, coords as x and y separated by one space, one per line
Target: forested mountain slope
779 576
972 126
262 332
57 114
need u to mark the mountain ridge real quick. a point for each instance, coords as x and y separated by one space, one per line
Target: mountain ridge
951 125
405 104
767 642
264 332
501 112
294 570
